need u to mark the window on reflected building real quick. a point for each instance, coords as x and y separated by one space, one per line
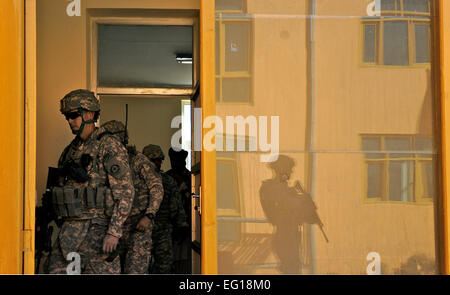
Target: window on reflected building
228 196
233 52
399 168
400 35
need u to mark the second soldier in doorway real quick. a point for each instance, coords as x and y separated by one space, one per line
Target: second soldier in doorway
95 192
137 238
182 239
170 217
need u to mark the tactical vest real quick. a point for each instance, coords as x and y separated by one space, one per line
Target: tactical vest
91 199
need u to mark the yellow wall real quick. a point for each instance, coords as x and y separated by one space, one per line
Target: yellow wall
12 130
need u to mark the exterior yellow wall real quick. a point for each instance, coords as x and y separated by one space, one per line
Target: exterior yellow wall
12 130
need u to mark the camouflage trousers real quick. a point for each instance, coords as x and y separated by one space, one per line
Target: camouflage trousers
84 237
137 246
162 250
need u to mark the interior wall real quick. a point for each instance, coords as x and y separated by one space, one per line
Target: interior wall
148 120
62 66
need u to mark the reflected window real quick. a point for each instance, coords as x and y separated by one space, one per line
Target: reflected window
399 168
405 7
228 199
227 185
230 5
233 52
401 36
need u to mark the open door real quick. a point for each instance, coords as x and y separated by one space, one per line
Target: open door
196 209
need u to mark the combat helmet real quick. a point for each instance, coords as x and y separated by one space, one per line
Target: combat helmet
80 100
153 152
117 129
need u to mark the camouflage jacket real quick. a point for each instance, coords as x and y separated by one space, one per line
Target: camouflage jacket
105 160
183 181
171 212
147 184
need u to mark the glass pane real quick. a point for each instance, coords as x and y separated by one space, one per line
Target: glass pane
395 43
415 5
331 120
387 4
401 181
424 147
375 181
428 179
218 51
218 89
422 43
372 144
143 56
226 185
402 145
229 4
236 90
237 38
370 46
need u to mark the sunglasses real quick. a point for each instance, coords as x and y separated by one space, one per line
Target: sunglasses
72 115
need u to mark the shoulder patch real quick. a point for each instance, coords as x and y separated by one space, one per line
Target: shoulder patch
115 168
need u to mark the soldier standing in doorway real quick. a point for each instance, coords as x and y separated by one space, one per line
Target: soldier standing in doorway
95 191
170 217
138 228
182 240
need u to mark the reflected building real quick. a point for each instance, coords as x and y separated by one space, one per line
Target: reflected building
356 108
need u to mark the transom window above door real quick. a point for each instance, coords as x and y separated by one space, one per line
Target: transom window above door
145 56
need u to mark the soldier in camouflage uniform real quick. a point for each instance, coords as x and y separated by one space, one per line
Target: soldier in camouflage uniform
137 237
170 216
95 192
181 239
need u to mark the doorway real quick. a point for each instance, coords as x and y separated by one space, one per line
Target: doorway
149 67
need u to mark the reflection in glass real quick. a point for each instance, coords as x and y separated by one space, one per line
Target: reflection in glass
422 43
236 42
416 5
396 43
229 4
387 4
287 208
357 124
375 175
370 43
236 89
401 181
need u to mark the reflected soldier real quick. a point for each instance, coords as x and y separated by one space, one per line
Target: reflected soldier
171 216
182 240
286 208
95 192
137 237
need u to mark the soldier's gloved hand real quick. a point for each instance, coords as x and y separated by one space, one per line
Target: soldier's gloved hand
110 244
143 224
